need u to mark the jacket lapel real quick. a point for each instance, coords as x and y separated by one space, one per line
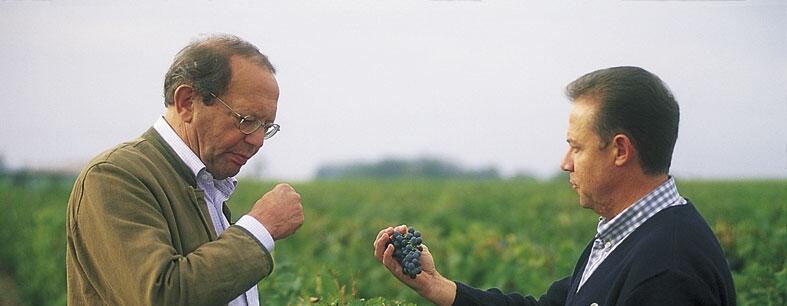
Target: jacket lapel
227 213
198 199
196 195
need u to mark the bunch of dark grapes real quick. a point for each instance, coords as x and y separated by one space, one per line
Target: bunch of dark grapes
407 251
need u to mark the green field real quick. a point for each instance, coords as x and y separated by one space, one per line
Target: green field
515 235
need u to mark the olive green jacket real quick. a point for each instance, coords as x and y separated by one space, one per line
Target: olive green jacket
139 233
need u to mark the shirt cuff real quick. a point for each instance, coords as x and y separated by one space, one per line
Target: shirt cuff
258 230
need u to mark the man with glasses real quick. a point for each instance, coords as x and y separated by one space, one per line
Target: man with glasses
147 220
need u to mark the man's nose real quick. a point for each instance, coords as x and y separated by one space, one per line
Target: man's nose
257 138
568 163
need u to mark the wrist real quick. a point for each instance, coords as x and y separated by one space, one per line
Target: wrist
440 290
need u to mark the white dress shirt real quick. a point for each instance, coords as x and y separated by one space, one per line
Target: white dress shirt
216 193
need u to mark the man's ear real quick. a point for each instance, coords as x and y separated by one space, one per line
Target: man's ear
623 149
184 102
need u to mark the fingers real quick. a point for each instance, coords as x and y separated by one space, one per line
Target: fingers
401 229
383 251
388 260
280 211
380 243
385 231
283 187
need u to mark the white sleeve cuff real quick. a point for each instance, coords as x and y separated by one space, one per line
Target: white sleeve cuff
258 230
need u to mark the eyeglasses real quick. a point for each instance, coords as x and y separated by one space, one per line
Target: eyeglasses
249 124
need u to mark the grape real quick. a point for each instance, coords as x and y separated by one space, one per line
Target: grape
407 250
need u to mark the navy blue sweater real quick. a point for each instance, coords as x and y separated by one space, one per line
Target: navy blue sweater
671 259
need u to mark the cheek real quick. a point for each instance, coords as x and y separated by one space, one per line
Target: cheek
583 168
213 145
229 143
579 163
219 132
593 174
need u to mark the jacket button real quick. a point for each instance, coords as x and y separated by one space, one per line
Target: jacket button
594 304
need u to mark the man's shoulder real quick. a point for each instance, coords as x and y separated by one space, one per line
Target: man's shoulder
677 242
677 238
147 157
675 226
125 154
114 169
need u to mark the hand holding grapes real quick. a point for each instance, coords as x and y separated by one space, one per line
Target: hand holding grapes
428 283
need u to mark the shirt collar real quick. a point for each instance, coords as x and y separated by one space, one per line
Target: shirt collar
665 195
187 155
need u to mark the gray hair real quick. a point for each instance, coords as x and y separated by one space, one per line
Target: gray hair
205 65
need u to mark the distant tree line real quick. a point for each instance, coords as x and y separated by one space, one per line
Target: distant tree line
26 177
426 167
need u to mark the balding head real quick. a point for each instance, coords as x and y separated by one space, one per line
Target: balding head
205 65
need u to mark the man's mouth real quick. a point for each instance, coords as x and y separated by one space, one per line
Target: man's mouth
239 158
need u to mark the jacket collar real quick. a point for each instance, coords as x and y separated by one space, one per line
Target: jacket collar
180 167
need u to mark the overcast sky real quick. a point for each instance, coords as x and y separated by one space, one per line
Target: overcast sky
476 82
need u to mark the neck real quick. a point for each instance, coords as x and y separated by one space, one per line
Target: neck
180 129
631 189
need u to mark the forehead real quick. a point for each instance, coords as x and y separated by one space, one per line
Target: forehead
250 78
581 118
253 89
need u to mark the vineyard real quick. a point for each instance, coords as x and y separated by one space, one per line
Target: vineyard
514 235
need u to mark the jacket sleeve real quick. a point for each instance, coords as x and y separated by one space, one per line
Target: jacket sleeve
672 288
123 246
556 295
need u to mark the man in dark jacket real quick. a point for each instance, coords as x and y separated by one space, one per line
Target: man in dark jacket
652 247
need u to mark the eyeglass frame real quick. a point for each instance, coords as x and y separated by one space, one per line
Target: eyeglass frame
270 129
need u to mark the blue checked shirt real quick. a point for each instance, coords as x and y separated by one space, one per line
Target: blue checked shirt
610 233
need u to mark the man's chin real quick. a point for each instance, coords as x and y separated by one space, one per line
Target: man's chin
225 173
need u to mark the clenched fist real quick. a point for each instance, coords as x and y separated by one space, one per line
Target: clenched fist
280 211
